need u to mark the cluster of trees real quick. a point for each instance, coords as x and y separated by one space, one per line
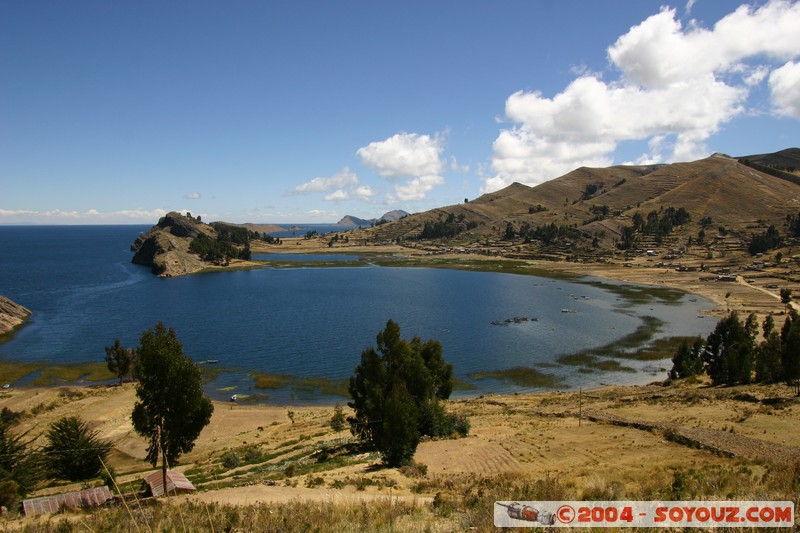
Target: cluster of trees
233 234
769 240
731 354
547 234
396 395
657 224
218 250
336 238
451 226
793 225
590 190
269 239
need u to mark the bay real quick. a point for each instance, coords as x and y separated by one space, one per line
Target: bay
314 322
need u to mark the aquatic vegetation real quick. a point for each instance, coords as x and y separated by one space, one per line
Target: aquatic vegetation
521 376
337 387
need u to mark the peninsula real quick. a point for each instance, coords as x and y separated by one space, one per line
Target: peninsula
12 315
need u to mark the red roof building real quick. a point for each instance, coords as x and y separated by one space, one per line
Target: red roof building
176 482
96 497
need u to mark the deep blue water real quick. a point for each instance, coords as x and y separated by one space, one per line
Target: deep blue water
84 293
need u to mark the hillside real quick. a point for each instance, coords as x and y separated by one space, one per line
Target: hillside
587 211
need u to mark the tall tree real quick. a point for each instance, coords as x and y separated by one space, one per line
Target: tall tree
687 360
171 409
119 360
74 451
20 470
396 392
730 351
790 352
786 298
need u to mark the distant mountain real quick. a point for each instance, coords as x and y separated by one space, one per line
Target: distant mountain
350 220
589 209
391 216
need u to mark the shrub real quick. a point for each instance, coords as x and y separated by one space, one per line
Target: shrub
230 460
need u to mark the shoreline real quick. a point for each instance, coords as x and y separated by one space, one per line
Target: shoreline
724 297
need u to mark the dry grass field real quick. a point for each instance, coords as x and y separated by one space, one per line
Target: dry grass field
610 443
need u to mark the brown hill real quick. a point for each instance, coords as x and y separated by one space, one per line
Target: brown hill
788 159
165 247
598 203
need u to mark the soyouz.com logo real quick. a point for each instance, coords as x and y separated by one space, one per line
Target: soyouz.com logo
644 514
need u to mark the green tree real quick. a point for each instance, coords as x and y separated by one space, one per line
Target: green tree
171 409
119 360
338 420
400 426
74 451
730 351
20 470
399 383
786 298
790 351
687 360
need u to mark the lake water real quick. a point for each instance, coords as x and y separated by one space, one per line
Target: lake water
313 322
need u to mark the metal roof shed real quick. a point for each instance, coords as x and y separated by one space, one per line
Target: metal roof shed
95 497
176 482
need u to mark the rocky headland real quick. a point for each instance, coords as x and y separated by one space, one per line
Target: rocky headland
165 247
12 315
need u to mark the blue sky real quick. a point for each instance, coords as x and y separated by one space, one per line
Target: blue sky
279 111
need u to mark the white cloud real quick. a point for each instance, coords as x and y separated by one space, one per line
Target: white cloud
337 196
784 83
676 87
91 216
364 192
341 179
193 196
407 155
417 188
456 167
341 186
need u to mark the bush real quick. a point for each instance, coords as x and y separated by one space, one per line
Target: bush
9 494
338 420
252 455
230 460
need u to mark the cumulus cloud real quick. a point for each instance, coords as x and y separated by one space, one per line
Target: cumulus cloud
341 179
676 87
341 186
193 196
410 156
784 83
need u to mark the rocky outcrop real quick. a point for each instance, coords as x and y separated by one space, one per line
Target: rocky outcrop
165 248
12 315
